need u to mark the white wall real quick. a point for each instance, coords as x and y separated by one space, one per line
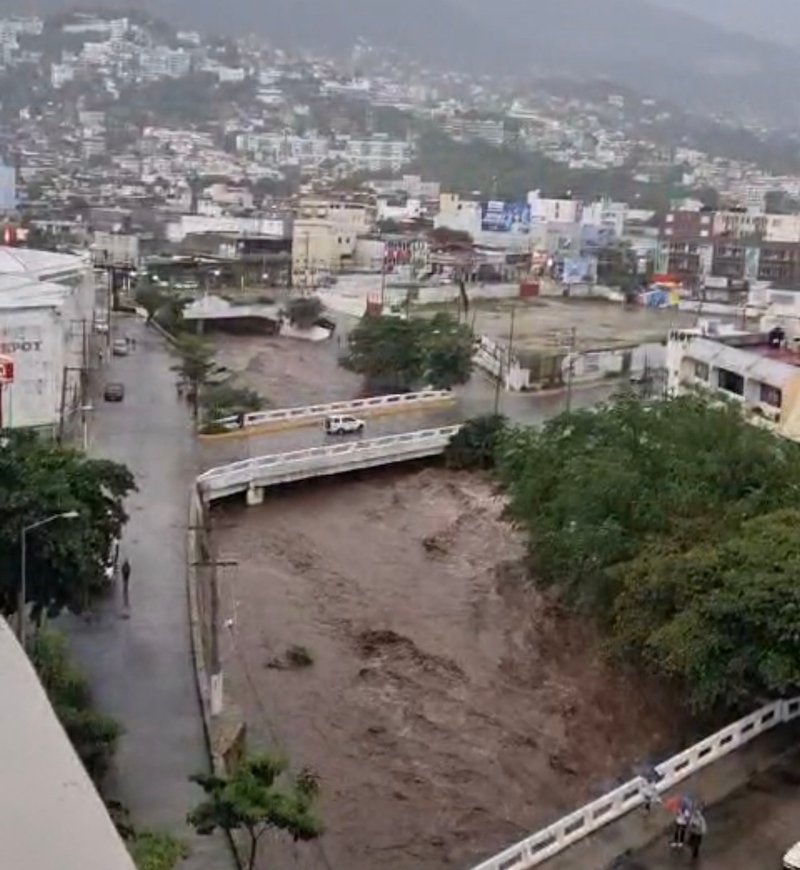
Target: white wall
35 340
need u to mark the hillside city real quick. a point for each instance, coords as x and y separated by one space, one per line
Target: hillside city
395 461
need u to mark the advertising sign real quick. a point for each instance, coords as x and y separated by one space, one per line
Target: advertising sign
498 216
6 370
580 270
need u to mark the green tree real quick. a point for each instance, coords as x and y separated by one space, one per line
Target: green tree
401 353
66 559
257 798
447 347
152 299
722 618
475 445
197 366
304 311
93 735
226 400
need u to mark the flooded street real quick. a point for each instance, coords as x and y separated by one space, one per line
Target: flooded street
384 635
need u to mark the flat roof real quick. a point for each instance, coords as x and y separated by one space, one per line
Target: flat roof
50 814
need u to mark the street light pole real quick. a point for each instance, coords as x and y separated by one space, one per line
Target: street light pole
23 584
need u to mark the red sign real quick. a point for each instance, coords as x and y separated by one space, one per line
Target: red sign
6 370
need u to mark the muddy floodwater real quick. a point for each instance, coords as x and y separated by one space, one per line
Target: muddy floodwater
448 708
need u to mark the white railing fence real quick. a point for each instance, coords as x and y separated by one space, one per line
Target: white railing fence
310 413
539 847
261 470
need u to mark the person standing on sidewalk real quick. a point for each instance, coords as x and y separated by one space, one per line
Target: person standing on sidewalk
681 821
697 829
126 579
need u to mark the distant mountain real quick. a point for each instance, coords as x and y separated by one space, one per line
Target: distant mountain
777 20
661 51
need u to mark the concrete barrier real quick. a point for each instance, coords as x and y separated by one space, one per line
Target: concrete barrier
289 418
543 845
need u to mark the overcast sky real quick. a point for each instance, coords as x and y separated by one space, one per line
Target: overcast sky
769 19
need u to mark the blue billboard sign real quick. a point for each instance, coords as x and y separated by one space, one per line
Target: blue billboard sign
498 216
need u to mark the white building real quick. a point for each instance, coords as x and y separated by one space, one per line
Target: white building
8 189
163 62
378 154
606 214
767 388
46 325
558 211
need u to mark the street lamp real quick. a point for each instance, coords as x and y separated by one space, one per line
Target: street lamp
23 585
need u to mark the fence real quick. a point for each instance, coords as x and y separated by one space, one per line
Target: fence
318 461
311 413
544 844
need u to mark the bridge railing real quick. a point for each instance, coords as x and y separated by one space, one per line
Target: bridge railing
544 844
309 413
258 470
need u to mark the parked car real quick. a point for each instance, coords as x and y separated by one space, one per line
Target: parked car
119 347
343 425
791 860
114 392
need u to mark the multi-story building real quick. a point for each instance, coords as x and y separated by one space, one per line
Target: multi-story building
378 154
162 62
46 327
470 128
8 189
754 370
686 246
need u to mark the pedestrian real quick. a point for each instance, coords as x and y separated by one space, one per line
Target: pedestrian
240 420
697 829
681 821
650 795
126 579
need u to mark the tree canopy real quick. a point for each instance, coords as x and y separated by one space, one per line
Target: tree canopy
66 559
675 524
402 353
258 797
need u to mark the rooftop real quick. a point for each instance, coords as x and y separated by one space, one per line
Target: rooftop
25 291
42 264
50 813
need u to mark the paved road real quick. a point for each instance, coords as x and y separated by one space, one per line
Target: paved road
475 398
141 669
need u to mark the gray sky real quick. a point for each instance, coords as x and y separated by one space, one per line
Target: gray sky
769 19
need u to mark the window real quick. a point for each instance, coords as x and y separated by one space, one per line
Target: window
701 370
731 382
771 395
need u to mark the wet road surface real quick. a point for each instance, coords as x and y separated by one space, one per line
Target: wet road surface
140 669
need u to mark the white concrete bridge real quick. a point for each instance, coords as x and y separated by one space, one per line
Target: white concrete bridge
253 476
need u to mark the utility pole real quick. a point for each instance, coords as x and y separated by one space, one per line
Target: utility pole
215 665
571 366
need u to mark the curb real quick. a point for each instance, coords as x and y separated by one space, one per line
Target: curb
198 659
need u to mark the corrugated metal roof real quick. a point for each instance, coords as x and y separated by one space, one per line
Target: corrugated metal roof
25 291
41 264
50 814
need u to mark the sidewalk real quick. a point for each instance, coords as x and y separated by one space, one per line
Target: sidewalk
140 669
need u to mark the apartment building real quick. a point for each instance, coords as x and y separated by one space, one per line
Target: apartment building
377 154
753 370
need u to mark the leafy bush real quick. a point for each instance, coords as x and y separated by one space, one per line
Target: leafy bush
475 445
93 735
152 850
